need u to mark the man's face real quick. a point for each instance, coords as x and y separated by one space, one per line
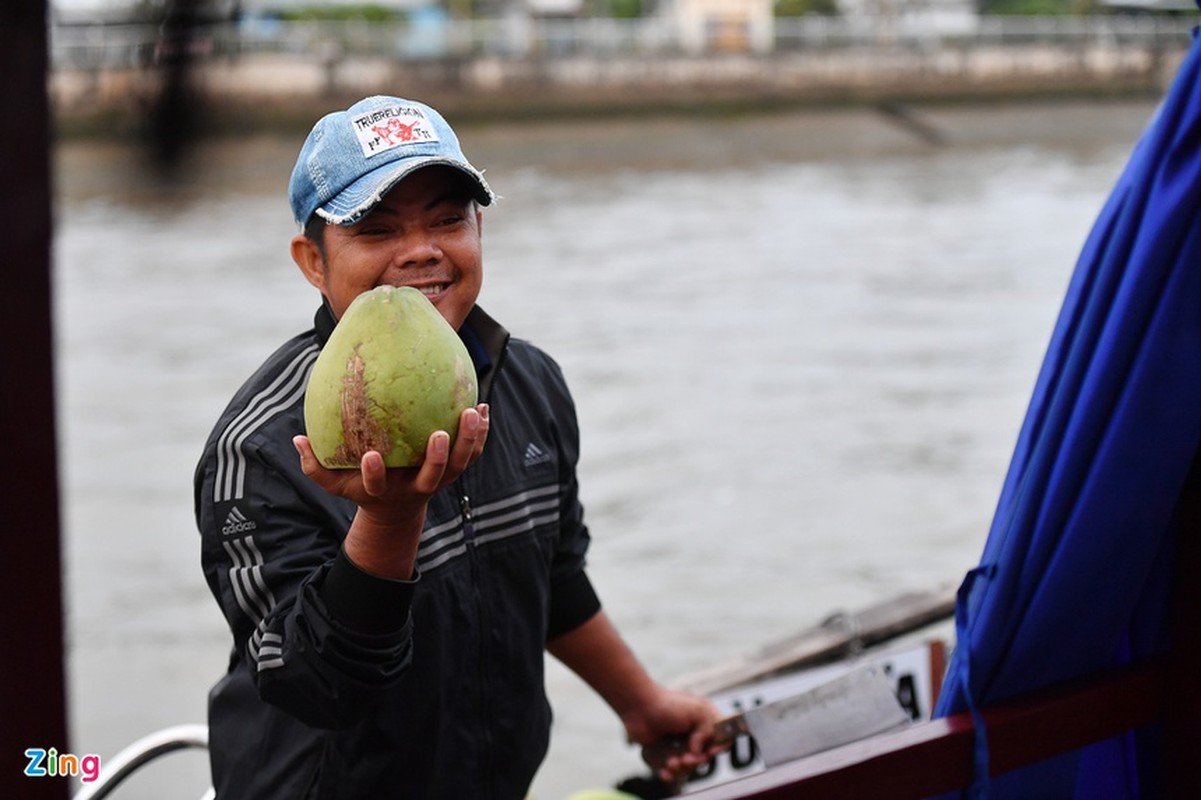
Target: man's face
425 233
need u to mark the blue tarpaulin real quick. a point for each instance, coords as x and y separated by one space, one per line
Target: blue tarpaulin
1076 569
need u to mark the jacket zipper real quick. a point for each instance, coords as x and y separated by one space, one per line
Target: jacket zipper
483 689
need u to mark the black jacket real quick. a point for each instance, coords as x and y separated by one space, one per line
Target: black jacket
345 685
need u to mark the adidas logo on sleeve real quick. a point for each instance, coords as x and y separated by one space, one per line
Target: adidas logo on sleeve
236 522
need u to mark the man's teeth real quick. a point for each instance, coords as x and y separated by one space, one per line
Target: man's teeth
430 291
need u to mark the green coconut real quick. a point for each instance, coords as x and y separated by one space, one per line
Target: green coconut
393 372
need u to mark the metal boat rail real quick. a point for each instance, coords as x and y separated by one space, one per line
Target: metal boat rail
142 752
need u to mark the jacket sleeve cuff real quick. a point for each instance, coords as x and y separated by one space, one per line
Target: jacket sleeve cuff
572 603
365 602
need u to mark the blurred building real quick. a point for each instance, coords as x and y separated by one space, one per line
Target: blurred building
722 25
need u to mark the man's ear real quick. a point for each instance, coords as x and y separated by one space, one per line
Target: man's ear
308 257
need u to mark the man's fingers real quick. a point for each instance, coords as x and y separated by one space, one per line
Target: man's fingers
437 455
442 463
373 473
312 468
482 432
308 460
473 432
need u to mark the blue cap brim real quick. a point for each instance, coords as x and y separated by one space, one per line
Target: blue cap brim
356 200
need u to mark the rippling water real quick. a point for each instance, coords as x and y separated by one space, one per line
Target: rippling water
801 347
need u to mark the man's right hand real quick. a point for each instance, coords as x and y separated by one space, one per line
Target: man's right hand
384 535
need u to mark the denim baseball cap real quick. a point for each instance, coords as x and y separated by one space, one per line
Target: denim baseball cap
352 158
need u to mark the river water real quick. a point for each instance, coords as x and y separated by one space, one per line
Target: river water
801 346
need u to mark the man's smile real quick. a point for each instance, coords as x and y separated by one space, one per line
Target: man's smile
430 290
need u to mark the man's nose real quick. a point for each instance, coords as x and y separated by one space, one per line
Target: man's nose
417 249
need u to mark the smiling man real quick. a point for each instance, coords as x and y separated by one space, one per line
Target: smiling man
389 624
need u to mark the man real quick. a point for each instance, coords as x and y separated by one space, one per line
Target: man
389 624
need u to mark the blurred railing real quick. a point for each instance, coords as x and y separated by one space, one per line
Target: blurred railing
116 46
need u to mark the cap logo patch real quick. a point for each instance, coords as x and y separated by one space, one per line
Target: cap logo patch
381 130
